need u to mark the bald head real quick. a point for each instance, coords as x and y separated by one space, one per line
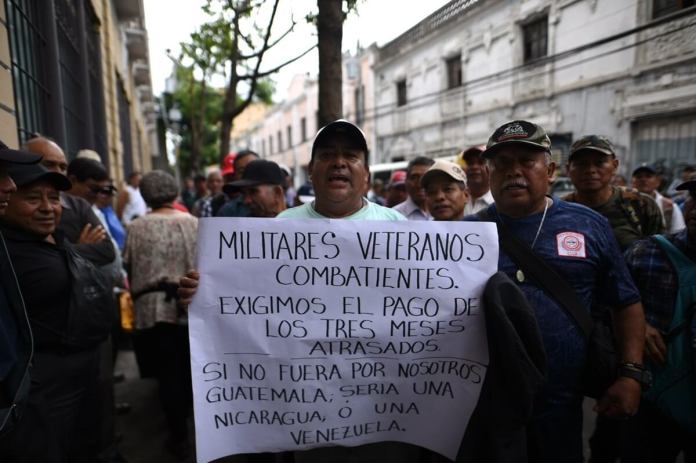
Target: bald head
53 156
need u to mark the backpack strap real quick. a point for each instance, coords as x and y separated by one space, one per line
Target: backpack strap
543 274
629 210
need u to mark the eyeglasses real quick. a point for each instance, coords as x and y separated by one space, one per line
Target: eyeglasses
107 190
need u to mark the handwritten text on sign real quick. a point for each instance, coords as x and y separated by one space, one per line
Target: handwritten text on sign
332 332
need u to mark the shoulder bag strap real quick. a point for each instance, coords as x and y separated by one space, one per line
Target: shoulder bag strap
540 271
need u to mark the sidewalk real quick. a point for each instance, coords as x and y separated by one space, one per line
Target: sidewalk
143 428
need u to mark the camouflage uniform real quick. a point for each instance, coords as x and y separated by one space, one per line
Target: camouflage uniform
631 214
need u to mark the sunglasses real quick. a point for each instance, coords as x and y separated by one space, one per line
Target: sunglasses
107 190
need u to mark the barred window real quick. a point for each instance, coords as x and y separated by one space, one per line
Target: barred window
27 44
535 39
665 7
454 71
401 93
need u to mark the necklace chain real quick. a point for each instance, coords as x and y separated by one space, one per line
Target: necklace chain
541 224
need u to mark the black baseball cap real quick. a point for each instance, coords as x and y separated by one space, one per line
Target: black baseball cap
257 172
689 185
518 133
17 156
25 174
645 167
342 126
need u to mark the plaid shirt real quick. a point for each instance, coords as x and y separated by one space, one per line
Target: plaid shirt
656 277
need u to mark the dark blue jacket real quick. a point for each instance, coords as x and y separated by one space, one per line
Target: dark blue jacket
16 346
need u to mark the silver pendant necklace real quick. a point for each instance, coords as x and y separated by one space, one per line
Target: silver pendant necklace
519 275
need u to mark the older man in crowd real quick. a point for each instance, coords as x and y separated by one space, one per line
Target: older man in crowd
415 207
477 178
234 207
261 187
577 244
203 207
18 424
646 180
78 223
592 164
445 190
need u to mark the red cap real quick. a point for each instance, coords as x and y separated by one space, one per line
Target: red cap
398 177
228 164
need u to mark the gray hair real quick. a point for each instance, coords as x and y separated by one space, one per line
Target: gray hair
158 188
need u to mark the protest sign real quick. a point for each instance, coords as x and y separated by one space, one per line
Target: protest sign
335 332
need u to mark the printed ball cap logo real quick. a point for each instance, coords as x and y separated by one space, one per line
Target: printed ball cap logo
514 130
518 132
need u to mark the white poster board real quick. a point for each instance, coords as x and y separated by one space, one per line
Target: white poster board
333 332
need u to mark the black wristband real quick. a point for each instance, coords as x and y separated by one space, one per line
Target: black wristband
636 371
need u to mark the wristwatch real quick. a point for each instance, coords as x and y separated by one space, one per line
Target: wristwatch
636 371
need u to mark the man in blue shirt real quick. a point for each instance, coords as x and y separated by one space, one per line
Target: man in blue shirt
579 245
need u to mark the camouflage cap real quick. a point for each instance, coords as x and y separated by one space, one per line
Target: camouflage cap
594 143
448 168
519 133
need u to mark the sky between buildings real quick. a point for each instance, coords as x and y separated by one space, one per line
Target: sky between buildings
170 22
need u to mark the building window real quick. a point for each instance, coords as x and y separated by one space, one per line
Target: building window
280 141
125 126
26 45
359 104
270 145
535 35
303 128
401 93
263 148
289 136
665 7
454 71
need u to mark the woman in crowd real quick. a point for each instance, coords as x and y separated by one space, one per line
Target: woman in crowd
161 246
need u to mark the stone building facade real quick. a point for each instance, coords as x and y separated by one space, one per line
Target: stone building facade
78 72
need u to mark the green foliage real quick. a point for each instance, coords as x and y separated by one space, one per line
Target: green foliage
187 98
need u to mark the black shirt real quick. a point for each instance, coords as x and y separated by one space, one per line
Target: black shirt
45 282
76 214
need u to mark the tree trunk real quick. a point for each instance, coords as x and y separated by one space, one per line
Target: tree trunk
330 32
195 159
229 111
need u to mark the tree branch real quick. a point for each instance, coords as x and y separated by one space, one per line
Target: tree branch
257 75
271 45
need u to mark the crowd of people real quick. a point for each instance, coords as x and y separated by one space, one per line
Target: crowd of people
72 243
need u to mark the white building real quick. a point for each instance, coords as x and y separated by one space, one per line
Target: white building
621 68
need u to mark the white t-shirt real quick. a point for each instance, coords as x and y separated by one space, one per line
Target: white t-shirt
135 207
370 211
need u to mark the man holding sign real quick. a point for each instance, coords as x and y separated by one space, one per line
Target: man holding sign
349 344
340 175
578 245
